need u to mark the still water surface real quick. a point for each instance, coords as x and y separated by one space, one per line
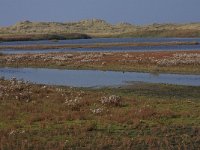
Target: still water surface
93 78
110 49
102 40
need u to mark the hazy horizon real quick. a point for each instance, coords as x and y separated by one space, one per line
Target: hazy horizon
137 12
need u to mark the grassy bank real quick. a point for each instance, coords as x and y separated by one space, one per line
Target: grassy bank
164 33
144 33
142 116
155 62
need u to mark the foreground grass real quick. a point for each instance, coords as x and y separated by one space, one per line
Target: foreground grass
146 116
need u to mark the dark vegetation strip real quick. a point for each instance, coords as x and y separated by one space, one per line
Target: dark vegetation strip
36 37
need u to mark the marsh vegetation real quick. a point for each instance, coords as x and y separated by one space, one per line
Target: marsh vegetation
137 116
141 116
170 62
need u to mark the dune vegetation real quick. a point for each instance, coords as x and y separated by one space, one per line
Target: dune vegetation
95 28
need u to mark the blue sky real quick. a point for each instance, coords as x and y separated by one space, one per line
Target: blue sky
113 11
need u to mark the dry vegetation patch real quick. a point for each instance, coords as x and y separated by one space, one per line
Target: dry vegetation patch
171 62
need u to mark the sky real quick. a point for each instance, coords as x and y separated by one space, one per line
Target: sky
113 11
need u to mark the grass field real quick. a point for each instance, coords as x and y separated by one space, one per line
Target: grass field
141 116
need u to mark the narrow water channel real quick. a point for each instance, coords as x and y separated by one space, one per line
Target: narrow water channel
105 49
101 40
93 78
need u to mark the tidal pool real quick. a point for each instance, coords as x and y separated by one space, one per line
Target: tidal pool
93 78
